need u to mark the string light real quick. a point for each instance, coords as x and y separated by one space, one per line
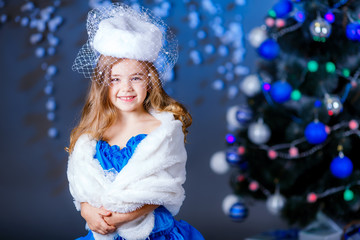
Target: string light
259 186
346 72
230 138
286 30
296 95
352 124
254 186
335 190
348 195
312 66
329 17
272 154
312 197
330 67
266 87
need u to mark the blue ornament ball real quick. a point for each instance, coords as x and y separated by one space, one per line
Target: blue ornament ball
283 8
244 115
315 133
238 212
233 157
341 167
269 49
280 91
353 31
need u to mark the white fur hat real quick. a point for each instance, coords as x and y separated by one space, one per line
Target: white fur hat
128 37
119 31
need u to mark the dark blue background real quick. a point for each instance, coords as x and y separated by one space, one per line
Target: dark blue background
35 201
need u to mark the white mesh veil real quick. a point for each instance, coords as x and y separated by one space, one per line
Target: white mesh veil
117 32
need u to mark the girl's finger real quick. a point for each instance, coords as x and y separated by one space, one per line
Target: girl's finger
104 212
106 227
97 230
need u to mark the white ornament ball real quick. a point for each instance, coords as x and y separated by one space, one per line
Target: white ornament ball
231 119
218 162
275 203
259 132
228 202
250 85
257 36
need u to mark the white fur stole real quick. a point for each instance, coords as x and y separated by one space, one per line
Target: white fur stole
154 175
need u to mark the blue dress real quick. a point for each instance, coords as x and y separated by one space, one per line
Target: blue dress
112 159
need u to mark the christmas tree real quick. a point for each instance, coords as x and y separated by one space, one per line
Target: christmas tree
295 141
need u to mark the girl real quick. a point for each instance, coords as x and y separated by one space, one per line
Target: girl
127 156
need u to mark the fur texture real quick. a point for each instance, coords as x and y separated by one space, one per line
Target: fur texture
154 175
126 36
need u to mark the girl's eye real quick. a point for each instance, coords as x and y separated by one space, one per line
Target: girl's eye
114 80
136 79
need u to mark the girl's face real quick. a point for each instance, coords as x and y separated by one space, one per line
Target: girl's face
128 85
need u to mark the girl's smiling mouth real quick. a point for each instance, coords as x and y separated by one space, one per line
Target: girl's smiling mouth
127 98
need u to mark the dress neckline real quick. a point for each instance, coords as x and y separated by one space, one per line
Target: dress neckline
115 146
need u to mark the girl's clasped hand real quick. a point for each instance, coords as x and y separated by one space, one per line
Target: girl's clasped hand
104 222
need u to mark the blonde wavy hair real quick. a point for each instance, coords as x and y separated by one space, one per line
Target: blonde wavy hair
99 113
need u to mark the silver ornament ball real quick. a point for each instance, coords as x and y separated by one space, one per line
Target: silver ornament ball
320 28
259 132
250 85
257 36
333 104
218 163
275 203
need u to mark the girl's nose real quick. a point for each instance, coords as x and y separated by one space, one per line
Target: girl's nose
126 85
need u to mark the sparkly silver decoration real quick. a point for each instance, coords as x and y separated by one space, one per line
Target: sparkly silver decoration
333 104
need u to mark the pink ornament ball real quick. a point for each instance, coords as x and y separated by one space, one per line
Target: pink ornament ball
294 152
311 197
280 23
353 124
272 154
241 150
270 22
253 186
